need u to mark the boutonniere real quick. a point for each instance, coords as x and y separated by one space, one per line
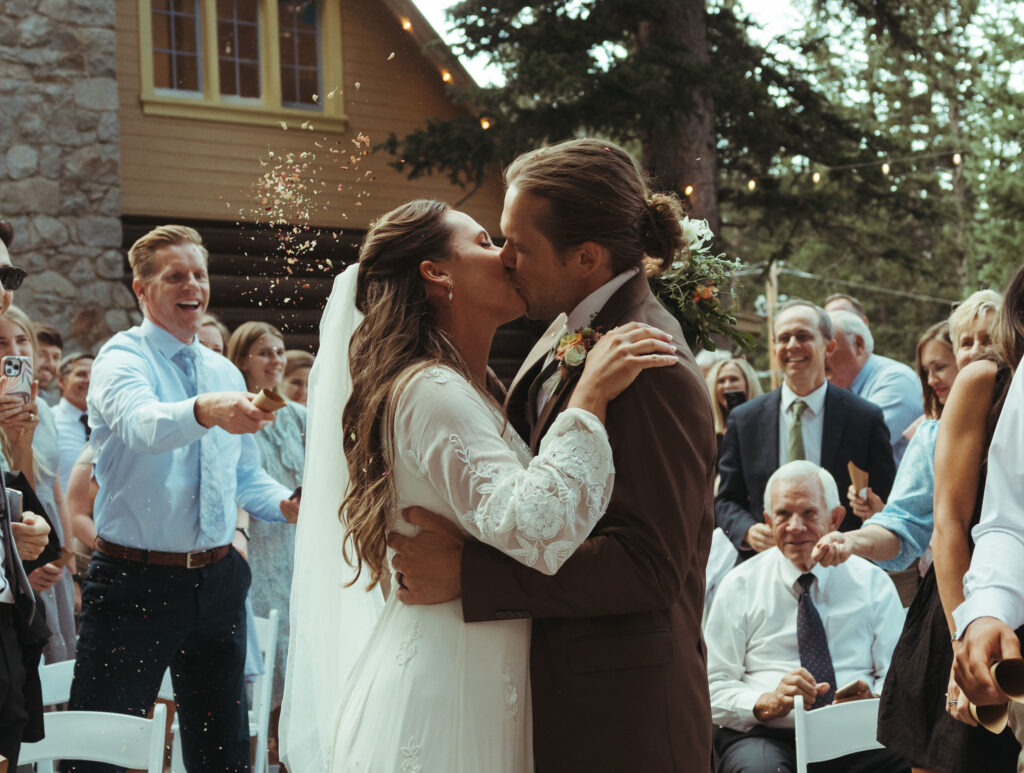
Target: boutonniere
572 349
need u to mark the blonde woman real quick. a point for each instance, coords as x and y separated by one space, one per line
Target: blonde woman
734 375
31 446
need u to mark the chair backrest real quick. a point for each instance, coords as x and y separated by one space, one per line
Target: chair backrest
259 714
834 731
98 736
55 679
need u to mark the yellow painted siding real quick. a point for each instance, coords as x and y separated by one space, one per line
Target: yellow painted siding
198 169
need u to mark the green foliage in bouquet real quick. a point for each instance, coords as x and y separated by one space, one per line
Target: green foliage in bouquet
689 288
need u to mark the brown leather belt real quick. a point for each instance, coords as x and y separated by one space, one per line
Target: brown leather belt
193 560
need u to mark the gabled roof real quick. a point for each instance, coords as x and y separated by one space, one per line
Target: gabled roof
430 42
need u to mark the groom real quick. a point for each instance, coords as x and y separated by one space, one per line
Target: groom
618 671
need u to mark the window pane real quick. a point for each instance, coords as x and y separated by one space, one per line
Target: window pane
187 72
226 44
248 79
228 82
289 88
160 5
248 42
247 10
161 32
162 70
309 84
185 33
225 9
308 54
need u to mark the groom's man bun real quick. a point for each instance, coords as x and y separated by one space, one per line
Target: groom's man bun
597 192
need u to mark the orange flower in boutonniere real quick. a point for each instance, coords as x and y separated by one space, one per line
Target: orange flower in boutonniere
572 348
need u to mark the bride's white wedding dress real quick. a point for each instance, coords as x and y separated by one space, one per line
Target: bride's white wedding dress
373 687
430 693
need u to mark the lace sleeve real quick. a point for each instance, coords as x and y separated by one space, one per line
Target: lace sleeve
536 511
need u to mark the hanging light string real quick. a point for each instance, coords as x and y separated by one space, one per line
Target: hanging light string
886 164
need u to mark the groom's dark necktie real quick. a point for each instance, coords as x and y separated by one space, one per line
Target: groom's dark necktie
84 418
535 386
812 641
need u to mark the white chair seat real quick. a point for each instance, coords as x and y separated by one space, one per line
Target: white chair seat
834 731
98 736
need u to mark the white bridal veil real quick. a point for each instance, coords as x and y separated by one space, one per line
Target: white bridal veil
330 623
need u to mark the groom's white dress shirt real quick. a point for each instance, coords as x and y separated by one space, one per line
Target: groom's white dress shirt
994 585
751 631
812 420
581 317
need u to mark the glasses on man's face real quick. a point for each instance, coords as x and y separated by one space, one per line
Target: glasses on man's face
11 277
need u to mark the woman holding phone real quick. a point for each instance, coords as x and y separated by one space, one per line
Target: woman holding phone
28 436
730 383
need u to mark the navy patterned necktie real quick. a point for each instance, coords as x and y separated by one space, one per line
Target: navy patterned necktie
813 643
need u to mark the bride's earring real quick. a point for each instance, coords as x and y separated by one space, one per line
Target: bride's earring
451 290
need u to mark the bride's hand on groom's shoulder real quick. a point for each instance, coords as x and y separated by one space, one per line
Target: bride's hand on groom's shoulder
428 566
617 359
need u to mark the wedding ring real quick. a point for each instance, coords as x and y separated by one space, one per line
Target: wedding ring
951 703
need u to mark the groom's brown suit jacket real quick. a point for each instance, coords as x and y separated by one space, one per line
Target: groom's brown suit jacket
617 662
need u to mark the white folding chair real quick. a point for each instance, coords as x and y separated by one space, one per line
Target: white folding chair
259 711
834 731
99 736
55 679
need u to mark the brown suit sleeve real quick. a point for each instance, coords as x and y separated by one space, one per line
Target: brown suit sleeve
656 532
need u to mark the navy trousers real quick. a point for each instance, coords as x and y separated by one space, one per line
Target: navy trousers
137 620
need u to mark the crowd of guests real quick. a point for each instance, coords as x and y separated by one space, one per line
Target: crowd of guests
47 438
844 504
798 600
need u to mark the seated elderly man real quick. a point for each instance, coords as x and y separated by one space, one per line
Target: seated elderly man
783 629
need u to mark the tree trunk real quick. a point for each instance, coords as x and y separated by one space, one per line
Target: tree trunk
681 154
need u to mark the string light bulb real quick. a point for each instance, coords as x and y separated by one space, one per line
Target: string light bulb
485 124
446 76
816 178
957 158
885 168
688 190
751 185
406 25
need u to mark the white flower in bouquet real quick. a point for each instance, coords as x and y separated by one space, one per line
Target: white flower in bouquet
697 233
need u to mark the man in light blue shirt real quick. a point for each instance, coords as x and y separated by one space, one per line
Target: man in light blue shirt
171 427
70 412
890 385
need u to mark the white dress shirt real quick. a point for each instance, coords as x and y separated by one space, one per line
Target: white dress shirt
812 421
994 585
751 631
6 592
70 438
579 318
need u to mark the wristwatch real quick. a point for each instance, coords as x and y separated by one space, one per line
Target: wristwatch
244 532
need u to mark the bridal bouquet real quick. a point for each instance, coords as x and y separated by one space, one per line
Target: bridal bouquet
689 288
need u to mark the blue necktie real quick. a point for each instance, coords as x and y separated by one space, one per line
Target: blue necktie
813 643
211 495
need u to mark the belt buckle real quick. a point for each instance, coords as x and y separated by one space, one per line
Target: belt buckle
188 559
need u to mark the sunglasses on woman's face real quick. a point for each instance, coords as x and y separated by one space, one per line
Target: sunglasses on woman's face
11 277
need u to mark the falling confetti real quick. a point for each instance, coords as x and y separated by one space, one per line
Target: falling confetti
390 57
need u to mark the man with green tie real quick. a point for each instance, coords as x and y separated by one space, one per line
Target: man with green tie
805 418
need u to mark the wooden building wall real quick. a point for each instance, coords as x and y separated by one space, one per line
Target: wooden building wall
182 168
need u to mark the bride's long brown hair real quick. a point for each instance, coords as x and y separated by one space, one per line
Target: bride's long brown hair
399 330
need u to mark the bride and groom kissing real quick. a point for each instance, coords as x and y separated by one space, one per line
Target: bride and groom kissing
544 612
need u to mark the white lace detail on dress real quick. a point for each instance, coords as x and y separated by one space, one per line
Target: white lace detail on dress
407 649
543 506
511 693
539 510
411 757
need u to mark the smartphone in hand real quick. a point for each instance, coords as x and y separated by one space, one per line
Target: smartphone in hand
17 373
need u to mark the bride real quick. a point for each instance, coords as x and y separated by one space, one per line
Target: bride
400 414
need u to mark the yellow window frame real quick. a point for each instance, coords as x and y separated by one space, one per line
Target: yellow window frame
209 105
